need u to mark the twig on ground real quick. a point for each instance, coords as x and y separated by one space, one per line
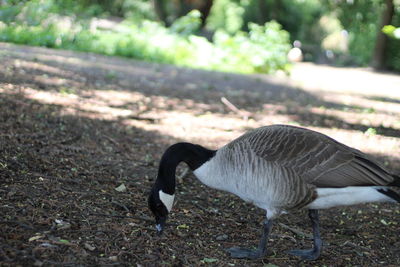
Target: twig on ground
64 141
284 236
137 217
296 231
245 114
111 140
351 244
23 225
58 242
120 205
152 120
56 178
201 207
119 146
4 255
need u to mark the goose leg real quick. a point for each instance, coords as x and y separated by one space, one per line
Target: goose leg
311 254
254 253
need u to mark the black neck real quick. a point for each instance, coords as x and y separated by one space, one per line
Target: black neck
192 155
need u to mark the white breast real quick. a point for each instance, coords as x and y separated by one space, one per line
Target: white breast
250 184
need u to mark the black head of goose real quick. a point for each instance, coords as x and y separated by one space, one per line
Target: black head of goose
279 168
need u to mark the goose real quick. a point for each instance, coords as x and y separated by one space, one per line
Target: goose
278 168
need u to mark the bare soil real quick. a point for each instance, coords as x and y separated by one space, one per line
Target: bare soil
81 136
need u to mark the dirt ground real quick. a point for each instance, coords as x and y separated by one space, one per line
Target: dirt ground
81 136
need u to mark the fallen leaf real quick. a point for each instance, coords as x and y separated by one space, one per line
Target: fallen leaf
33 238
47 245
208 260
62 224
121 188
89 247
182 226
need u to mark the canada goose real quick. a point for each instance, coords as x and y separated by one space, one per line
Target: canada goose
278 168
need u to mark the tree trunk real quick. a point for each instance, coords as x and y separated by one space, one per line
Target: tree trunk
205 11
378 58
160 9
262 12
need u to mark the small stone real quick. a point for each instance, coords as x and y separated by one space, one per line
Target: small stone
89 247
38 263
113 258
222 237
181 235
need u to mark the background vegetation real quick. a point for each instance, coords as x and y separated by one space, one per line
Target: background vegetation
82 134
229 35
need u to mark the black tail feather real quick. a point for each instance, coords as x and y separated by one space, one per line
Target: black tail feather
390 193
396 181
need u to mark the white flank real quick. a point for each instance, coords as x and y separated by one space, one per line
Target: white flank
166 199
352 195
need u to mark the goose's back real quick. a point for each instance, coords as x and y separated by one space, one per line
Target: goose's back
313 157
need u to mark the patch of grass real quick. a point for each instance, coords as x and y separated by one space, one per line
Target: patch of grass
371 131
67 91
112 75
263 49
369 110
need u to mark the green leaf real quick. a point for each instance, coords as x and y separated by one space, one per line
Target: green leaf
371 131
121 188
182 226
33 238
389 29
209 260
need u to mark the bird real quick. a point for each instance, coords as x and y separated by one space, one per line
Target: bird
280 169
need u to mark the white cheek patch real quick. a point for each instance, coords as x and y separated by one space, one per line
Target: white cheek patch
166 199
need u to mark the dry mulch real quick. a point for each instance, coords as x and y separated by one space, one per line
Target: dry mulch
80 140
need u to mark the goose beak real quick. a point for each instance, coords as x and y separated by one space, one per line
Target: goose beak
160 223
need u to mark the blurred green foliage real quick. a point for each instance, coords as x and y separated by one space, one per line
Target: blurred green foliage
242 35
39 22
392 31
362 20
393 49
299 17
263 49
227 15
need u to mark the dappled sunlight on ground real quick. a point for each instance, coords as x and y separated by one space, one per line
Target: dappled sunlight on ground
186 104
77 126
363 105
186 120
346 80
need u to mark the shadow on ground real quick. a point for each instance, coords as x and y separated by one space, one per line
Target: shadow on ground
67 145
254 94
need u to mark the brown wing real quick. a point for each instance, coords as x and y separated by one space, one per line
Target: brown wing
316 158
